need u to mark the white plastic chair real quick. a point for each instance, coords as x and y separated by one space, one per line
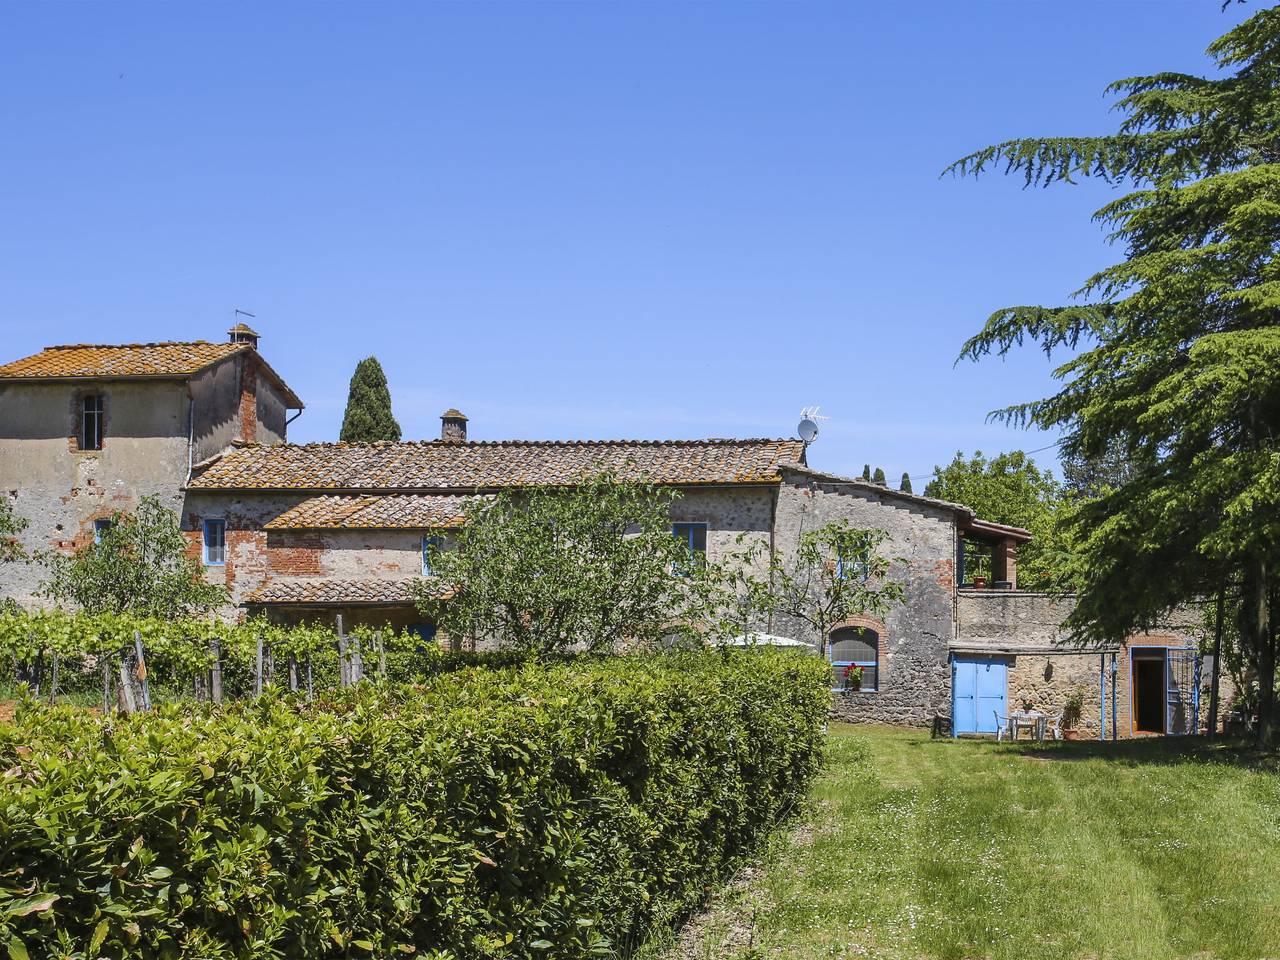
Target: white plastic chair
1053 727
1003 728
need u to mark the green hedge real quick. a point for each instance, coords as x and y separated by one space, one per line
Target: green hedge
538 811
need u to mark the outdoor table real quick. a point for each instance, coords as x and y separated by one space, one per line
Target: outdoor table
1033 720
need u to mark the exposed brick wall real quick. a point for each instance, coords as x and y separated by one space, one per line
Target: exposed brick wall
294 554
249 399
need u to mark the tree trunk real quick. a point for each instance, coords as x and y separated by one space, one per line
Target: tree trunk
1217 665
1258 607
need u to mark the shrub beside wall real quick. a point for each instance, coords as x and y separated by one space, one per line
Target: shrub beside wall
539 811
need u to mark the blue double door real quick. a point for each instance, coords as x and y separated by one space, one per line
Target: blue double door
978 691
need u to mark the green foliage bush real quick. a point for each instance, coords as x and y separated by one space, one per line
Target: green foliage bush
555 810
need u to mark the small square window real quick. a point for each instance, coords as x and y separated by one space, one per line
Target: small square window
91 424
215 542
852 568
430 545
694 537
99 528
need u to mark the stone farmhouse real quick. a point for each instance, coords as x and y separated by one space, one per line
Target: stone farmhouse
308 531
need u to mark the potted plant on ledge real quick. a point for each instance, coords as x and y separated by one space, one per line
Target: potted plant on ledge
853 677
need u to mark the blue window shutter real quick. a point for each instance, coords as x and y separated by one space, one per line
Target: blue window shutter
215 542
428 544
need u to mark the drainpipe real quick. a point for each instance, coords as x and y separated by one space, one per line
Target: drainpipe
191 433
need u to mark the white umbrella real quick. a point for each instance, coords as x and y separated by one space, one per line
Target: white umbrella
763 640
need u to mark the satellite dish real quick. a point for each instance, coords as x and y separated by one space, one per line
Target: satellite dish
808 430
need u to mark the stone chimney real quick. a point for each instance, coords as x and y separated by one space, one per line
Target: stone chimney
453 425
243 333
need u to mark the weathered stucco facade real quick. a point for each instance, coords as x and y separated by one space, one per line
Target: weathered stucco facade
193 401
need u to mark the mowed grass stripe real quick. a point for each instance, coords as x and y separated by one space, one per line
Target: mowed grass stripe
946 849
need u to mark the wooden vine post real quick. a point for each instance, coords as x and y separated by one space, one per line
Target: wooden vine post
53 678
106 684
142 670
382 656
344 669
257 667
215 671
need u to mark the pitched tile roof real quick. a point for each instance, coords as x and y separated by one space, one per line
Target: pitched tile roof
332 592
405 511
967 517
169 360
454 465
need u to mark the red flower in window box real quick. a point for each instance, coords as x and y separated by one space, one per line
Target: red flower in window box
853 677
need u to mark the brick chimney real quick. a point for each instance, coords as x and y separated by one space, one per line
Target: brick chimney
453 425
243 333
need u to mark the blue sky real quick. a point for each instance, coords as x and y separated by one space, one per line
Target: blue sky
571 220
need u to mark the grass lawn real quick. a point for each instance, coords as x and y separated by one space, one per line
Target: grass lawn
939 848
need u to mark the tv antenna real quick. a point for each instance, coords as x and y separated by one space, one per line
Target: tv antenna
243 313
808 426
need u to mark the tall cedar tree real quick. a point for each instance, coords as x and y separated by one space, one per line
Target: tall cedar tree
1174 353
368 417
904 484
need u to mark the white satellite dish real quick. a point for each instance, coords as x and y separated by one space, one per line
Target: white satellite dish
808 427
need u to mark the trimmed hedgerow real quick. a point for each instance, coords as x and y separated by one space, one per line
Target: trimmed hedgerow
541 811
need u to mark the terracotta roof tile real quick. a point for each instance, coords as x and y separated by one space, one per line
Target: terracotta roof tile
124 360
396 511
332 592
107 361
444 465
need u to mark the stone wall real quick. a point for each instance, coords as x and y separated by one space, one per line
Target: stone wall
915 677
1044 669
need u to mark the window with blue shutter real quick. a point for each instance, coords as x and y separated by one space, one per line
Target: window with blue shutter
430 545
215 543
694 537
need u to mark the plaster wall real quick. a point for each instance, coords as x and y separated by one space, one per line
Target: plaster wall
58 488
216 396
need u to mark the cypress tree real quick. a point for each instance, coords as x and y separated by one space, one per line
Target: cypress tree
866 472
879 477
905 485
368 417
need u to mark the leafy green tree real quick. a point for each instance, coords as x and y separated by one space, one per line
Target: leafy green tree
836 572
866 472
1009 489
878 477
593 567
139 566
10 526
904 485
368 417
1089 477
1174 352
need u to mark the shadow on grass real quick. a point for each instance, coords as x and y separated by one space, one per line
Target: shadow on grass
1151 751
